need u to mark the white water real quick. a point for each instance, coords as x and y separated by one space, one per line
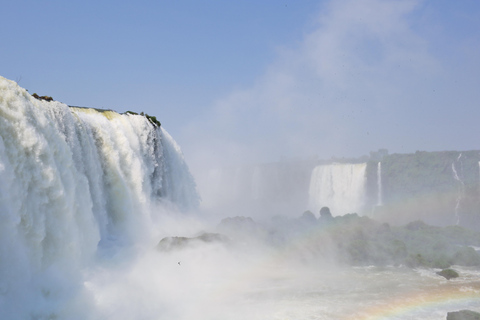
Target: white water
73 184
379 185
83 202
339 186
460 192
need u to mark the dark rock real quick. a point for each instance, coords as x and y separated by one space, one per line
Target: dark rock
46 98
448 274
308 218
325 213
178 243
173 243
463 315
212 237
325 216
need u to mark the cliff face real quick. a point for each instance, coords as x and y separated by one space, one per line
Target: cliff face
441 188
438 187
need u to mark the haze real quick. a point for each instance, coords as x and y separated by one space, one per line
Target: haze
262 81
235 83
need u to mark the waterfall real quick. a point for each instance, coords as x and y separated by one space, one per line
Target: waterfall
460 192
379 185
73 180
341 187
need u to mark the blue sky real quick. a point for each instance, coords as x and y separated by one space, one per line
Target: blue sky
261 80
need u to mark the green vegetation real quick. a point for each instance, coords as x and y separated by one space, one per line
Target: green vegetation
363 241
437 187
153 120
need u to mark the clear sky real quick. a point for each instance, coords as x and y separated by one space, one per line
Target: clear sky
261 80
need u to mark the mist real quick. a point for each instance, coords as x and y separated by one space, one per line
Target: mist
280 201
101 220
365 75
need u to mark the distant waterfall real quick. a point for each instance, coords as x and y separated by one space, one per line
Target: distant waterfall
460 192
379 185
341 187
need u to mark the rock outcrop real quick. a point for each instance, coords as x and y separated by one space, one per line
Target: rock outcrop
448 274
178 243
463 315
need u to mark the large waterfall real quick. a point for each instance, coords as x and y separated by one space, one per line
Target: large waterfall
74 181
339 186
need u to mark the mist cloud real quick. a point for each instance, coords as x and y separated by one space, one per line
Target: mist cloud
367 76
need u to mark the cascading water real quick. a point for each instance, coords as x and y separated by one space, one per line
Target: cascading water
379 185
460 192
341 187
73 181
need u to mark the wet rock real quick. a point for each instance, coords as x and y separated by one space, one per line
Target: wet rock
448 274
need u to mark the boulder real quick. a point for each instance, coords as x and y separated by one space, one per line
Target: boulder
448 274
325 215
463 315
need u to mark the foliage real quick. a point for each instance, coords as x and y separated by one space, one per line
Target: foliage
153 120
363 241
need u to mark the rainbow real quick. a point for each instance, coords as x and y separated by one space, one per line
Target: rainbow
449 298
437 296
